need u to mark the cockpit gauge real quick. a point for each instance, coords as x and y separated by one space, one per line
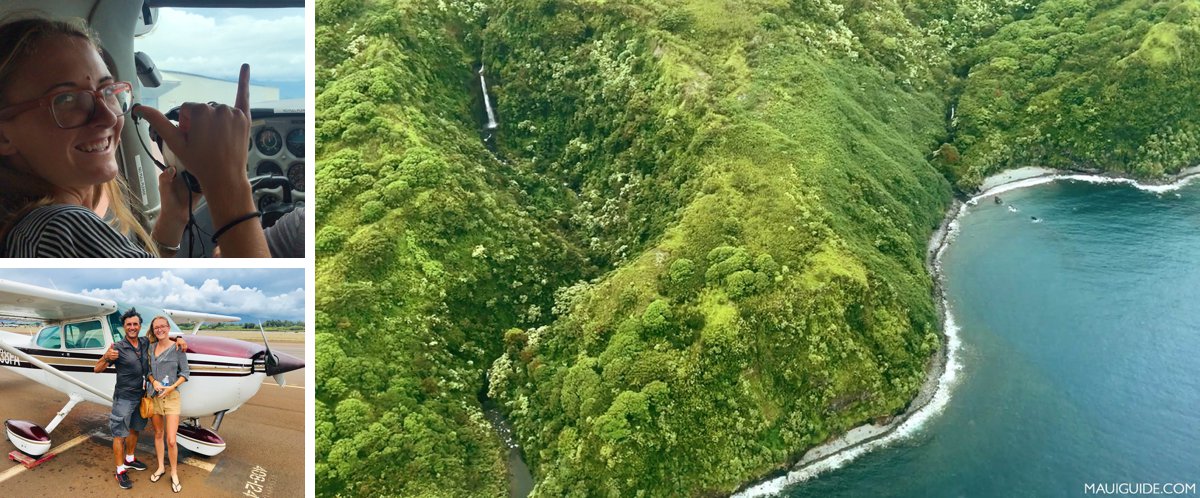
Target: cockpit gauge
295 174
268 142
268 168
295 143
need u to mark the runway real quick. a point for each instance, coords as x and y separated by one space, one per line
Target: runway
264 456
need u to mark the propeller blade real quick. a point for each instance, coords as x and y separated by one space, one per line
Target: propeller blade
280 380
270 361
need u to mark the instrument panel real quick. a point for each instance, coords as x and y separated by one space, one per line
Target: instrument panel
277 148
276 159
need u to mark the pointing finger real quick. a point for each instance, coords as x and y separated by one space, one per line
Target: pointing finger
243 91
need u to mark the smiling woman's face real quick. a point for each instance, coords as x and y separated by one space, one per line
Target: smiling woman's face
77 158
161 328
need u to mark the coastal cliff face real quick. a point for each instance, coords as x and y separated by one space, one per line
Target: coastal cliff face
692 249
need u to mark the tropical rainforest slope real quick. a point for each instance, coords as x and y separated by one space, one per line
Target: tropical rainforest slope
694 247
1103 86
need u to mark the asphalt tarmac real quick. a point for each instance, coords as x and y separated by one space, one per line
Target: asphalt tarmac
264 456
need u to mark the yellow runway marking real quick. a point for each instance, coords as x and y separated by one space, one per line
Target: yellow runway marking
18 468
200 464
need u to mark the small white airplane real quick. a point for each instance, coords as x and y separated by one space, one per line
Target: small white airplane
78 329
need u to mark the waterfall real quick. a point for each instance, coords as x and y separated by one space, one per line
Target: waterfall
487 103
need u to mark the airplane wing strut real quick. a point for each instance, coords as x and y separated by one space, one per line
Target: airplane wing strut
53 371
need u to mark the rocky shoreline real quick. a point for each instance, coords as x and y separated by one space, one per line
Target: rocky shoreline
860 438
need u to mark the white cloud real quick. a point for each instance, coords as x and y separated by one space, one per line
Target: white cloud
171 291
215 42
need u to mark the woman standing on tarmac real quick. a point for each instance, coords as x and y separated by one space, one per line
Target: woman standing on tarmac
166 369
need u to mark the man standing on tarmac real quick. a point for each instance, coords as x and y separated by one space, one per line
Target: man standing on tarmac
126 420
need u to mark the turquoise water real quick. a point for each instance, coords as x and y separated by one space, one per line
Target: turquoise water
1081 351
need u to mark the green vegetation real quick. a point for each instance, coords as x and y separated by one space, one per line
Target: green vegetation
1106 85
696 248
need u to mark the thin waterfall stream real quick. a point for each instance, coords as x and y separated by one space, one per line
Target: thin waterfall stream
487 103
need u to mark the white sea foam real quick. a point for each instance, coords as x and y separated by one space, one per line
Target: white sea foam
907 428
911 425
1158 189
950 372
1038 180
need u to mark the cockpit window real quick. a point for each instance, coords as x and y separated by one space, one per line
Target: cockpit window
85 335
270 40
50 337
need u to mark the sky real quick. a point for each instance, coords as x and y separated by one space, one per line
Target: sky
250 294
215 43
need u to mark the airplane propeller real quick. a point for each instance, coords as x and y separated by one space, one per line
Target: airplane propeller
271 362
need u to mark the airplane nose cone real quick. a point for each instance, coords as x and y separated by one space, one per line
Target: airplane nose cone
284 363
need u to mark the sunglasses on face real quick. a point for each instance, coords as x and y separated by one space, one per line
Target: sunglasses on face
75 108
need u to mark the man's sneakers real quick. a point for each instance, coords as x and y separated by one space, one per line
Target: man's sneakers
135 465
123 480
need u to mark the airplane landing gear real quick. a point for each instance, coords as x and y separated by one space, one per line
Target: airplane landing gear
31 438
197 439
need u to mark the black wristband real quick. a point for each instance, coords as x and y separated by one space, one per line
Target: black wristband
234 223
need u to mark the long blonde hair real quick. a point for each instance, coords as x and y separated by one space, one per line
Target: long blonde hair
22 192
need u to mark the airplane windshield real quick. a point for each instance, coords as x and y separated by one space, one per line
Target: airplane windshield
148 313
270 40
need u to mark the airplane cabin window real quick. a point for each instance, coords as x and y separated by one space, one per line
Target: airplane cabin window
85 335
114 326
50 338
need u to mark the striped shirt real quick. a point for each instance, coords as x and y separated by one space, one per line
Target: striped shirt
67 231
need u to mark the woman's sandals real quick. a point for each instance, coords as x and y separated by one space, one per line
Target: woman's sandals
157 475
175 484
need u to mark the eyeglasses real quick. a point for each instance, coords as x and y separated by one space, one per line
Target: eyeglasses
75 108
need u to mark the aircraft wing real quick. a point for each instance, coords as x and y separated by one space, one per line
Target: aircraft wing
194 317
18 300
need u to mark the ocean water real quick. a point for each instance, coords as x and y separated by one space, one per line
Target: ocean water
1080 351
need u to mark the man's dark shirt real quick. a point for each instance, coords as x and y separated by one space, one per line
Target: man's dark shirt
131 373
